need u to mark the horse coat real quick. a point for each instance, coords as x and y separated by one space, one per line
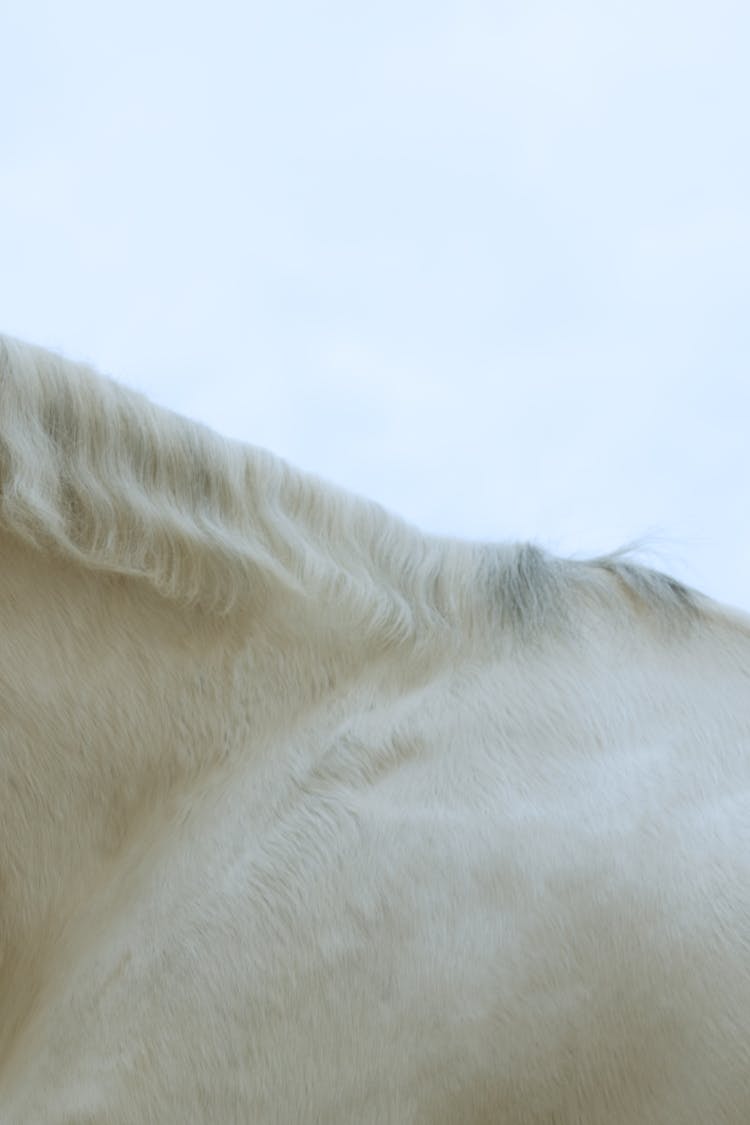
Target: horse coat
308 817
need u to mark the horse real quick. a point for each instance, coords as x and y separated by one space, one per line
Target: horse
309 817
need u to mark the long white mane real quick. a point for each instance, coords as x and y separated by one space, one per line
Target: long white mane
307 816
95 472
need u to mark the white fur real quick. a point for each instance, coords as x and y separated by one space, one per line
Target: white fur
308 817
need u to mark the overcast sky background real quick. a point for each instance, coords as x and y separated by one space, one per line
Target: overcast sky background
488 264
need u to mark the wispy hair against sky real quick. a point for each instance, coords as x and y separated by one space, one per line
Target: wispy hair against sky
487 263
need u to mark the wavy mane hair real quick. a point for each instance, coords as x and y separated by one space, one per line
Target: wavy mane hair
96 473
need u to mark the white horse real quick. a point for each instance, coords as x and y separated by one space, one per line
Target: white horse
307 817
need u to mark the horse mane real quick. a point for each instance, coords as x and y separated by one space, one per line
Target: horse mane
95 473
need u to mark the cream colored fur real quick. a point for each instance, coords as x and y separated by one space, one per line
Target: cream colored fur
308 817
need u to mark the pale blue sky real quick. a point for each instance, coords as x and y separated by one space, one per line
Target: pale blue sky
486 263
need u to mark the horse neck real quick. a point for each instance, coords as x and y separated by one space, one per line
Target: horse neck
114 701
